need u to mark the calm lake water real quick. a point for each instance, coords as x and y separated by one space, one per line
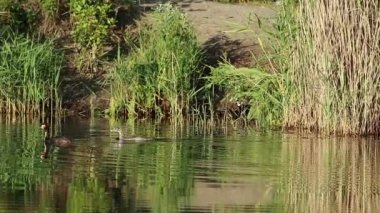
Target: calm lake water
185 170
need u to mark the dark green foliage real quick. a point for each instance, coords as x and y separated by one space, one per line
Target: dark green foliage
19 18
91 22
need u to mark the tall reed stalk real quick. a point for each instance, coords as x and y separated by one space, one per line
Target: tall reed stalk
29 76
335 67
158 77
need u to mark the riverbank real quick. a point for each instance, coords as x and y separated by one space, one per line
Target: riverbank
219 30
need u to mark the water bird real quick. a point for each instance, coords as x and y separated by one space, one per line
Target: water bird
123 138
62 142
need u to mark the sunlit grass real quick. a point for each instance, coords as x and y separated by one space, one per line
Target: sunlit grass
261 92
157 78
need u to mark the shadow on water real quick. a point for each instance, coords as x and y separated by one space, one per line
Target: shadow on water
237 171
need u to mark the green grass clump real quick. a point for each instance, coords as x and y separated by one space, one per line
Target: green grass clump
29 76
157 78
261 91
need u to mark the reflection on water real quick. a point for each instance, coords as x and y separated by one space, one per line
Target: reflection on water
331 175
184 171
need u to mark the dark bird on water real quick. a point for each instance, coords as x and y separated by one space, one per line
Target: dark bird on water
62 142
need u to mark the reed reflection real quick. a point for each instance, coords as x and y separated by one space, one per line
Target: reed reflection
331 175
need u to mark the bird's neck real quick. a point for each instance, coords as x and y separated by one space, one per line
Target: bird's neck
46 134
120 135
46 148
45 153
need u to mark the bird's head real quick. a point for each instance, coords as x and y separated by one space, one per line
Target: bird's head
44 126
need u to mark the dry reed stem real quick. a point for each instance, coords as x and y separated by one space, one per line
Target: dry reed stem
336 67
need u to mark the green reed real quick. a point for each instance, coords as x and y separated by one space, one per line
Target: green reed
29 76
157 78
334 67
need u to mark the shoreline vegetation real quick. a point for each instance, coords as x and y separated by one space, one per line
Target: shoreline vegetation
319 71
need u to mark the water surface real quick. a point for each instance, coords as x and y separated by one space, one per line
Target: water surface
185 170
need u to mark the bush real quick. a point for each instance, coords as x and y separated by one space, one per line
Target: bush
91 28
91 22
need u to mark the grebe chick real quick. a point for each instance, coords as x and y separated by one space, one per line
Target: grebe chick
123 138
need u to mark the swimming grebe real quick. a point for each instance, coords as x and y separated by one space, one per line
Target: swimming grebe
122 138
62 142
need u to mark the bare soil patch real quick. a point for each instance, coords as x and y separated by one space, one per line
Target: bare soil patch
221 29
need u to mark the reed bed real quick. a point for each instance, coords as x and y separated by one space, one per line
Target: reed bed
335 67
158 78
29 76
